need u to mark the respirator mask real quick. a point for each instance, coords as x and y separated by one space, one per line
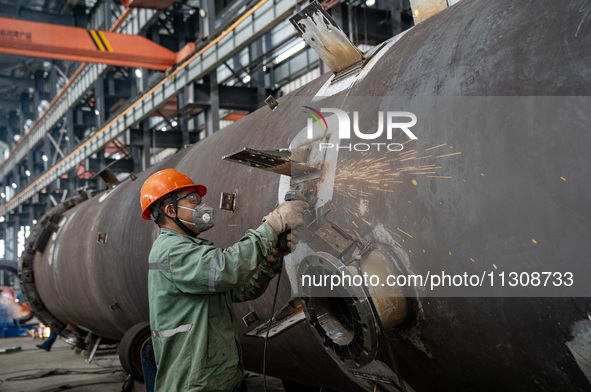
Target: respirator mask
202 217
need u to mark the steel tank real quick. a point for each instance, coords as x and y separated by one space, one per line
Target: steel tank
90 273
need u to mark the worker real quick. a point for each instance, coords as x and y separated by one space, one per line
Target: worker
46 345
192 284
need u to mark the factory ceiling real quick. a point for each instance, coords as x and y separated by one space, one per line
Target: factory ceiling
21 76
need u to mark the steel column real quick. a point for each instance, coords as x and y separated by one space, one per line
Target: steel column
146 149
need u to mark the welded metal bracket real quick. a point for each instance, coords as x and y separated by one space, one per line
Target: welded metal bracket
228 201
287 317
102 238
333 239
94 344
331 44
271 102
276 161
329 237
250 318
108 176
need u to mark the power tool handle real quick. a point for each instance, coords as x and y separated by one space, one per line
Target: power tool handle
282 241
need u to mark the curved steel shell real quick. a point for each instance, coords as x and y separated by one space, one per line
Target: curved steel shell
499 183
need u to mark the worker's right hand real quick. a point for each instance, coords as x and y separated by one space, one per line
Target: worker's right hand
289 215
274 256
293 237
288 241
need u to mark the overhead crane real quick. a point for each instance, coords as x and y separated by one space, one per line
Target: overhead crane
45 40
260 18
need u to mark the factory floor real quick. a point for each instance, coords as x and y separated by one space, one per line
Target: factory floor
24 367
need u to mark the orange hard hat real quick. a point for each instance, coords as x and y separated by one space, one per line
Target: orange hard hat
161 184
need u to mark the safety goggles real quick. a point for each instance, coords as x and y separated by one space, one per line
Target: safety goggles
192 197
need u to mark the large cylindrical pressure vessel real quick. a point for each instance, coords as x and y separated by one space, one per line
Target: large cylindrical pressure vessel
494 181
93 270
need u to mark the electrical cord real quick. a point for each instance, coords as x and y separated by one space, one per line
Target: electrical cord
128 384
58 372
20 371
78 385
110 365
269 327
101 368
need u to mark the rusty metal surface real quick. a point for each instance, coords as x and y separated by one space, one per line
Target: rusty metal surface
482 48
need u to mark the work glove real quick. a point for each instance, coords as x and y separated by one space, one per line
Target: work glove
274 256
288 241
275 261
293 237
288 215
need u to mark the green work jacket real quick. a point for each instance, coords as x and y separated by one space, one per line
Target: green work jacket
192 286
